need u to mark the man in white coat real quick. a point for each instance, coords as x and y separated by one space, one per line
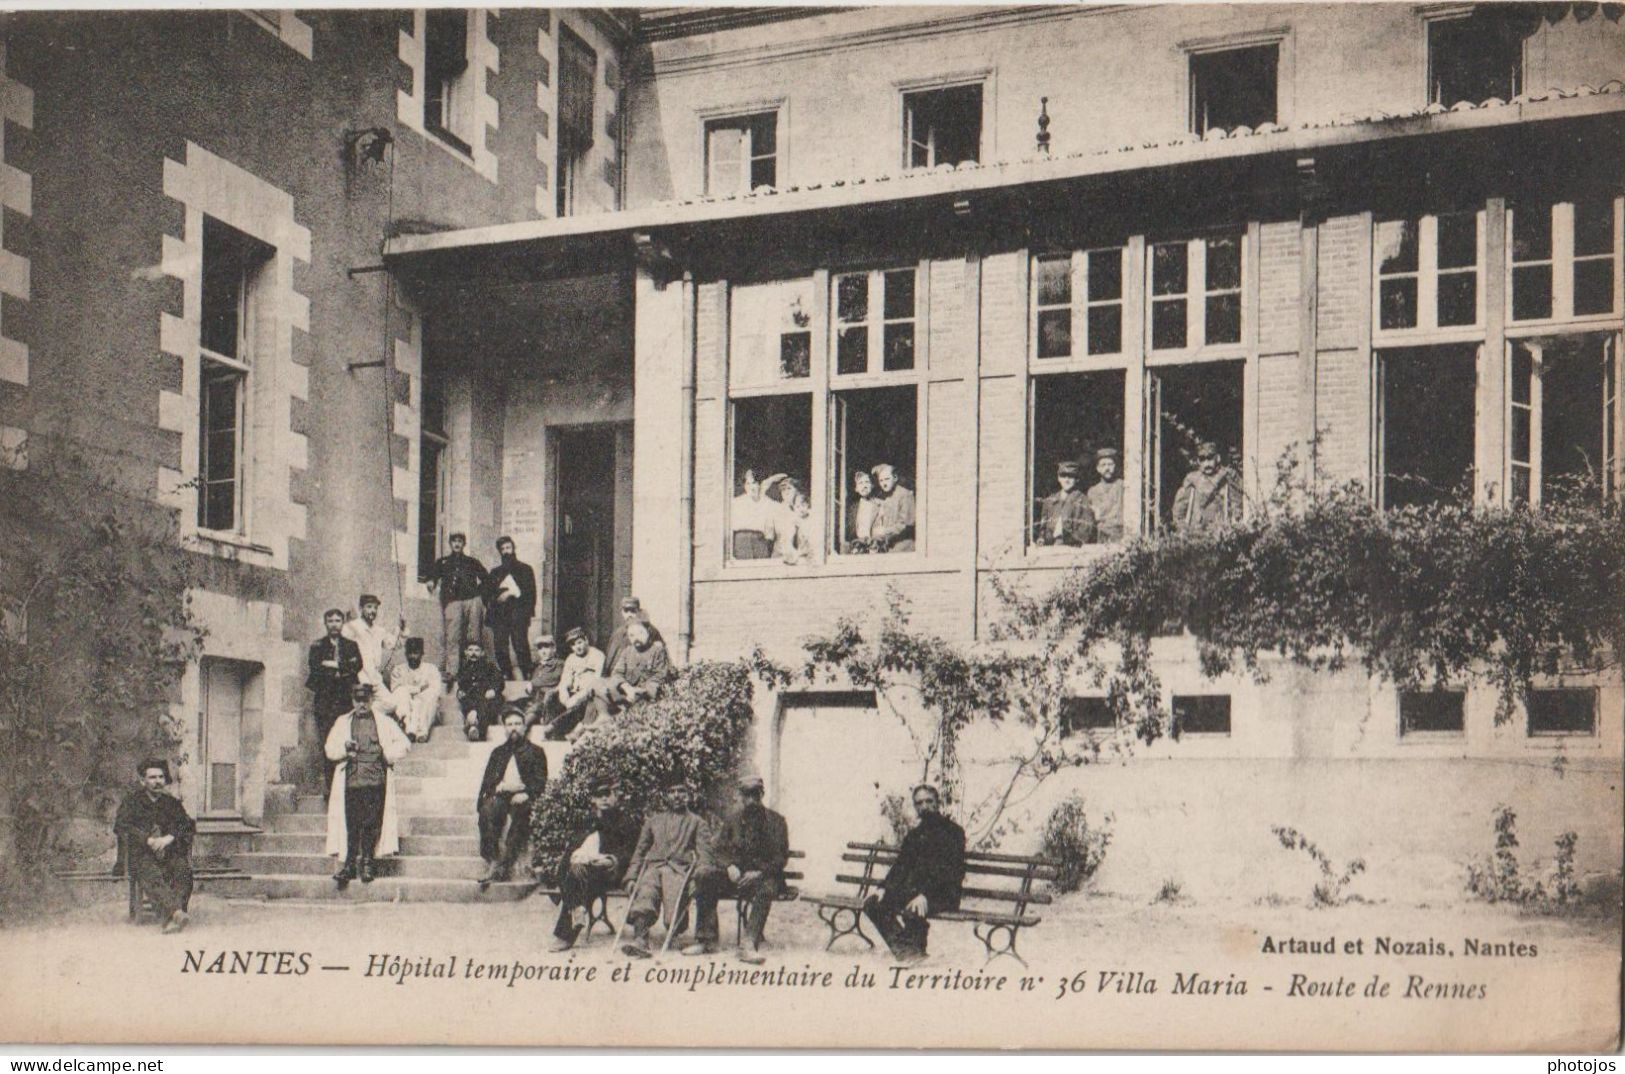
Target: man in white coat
376 642
415 692
361 823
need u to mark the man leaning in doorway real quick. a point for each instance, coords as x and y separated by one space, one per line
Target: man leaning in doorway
460 581
510 597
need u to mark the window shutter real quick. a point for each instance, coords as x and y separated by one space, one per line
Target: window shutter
578 68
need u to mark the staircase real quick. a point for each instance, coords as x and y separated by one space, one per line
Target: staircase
439 860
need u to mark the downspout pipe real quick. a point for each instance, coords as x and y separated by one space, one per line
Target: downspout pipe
685 507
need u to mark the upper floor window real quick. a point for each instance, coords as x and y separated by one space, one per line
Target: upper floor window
1563 417
434 473
874 322
233 266
1427 272
578 73
448 104
1196 292
741 153
1564 260
1234 87
942 126
1078 304
1478 56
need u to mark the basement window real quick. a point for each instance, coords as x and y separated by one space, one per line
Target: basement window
1562 711
1086 715
1425 423
1234 87
1201 714
942 126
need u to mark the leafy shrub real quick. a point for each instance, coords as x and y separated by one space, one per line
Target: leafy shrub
1498 877
1328 891
1073 844
691 734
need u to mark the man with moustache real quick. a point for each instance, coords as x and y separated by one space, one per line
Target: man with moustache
515 776
155 838
510 597
926 879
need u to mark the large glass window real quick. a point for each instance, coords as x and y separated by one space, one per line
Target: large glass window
876 438
1563 418
1078 304
1425 423
1564 260
1427 272
1196 292
233 264
1195 418
1076 485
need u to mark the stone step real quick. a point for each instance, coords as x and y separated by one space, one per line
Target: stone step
310 803
413 766
465 824
461 867
383 889
419 806
456 844
296 822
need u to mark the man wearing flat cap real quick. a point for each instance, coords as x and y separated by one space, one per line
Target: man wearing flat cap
1064 516
335 666
459 580
155 839
1106 496
631 612
1211 495
599 851
746 859
361 821
542 691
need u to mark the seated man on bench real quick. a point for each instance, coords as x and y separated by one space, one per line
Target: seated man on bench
925 879
745 860
595 865
155 835
661 866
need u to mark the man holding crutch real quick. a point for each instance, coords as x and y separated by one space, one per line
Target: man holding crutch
667 850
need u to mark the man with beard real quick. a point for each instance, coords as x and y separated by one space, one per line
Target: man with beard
416 693
745 860
361 822
894 514
667 851
1106 497
1211 495
515 776
479 692
155 838
925 879
596 863
510 596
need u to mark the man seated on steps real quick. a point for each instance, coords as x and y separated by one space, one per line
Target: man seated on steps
542 691
661 866
640 671
596 863
416 692
515 775
479 691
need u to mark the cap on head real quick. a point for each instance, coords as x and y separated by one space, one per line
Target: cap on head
513 713
366 599
414 646
601 787
1067 469
573 633
1207 449
331 612
361 691
1107 453
547 641
631 604
458 536
752 782
149 764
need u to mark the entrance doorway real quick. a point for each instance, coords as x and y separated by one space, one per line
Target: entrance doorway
591 528
228 693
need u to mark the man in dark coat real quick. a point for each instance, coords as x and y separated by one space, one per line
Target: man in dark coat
460 582
515 776
510 596
1064 516
631 612
542 691
925 879
155 837
746 860
335 666
479 691
595 864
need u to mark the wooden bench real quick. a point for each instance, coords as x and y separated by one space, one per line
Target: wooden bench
997 914
789 894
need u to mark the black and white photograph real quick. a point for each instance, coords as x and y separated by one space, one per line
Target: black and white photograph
1053 526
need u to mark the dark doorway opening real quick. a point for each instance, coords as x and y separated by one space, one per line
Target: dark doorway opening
584 590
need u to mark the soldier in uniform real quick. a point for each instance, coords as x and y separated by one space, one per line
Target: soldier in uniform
746 860
1064 516
1211 495
1106 497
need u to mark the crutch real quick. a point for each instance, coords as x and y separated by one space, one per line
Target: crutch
637 881
677 910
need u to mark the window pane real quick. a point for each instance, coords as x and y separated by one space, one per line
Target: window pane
1105 275
219 506
764 134
899 339
1054 333
763 172
1105 329
1054 281
727 147
1223 263
1520 433
1531 292
1523 372
769 332
1397 299
1075 416
1458 240
1593 227
1169 269
1458 298
1396 246
1594 286
899 294
795 354
852 297
877 435
771 435
1520 484
852 351
1168 324
1436 711
1080 714
1531 233
1224 319
1562 712
1202 715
